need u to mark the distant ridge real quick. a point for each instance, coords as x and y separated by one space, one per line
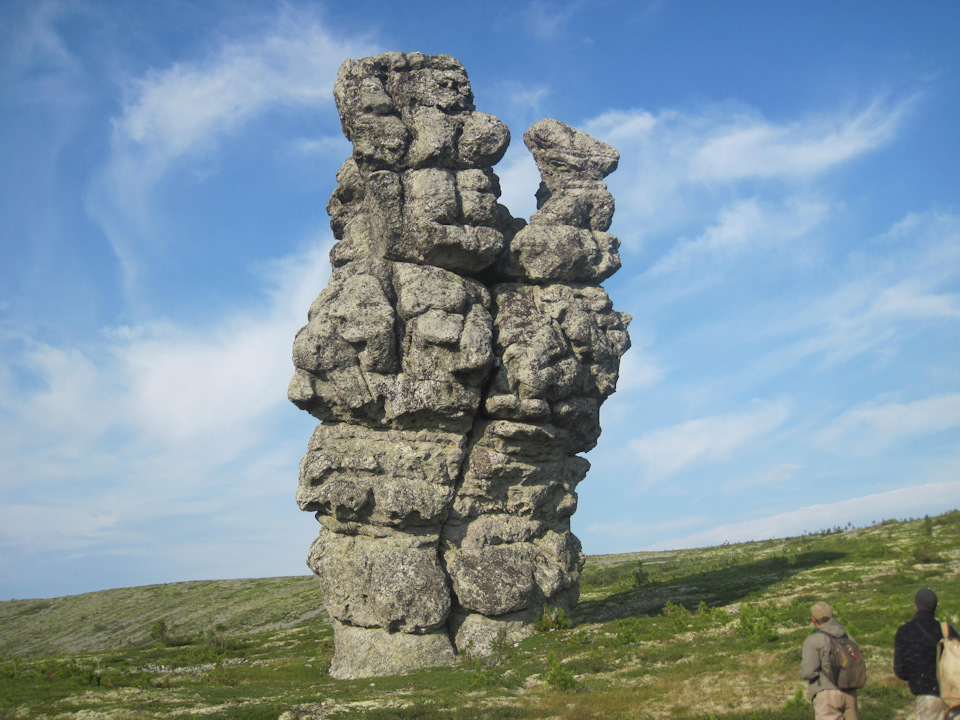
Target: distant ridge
122 617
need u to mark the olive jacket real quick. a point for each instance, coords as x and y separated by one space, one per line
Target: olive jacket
815 666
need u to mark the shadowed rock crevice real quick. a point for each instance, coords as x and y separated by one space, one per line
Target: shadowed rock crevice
457 361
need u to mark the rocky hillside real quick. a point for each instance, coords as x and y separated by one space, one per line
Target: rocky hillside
122 618
692 634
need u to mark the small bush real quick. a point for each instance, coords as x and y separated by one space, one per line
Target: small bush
924 555
707 617
216 638
678 613
629 631
551 619
158 631
756 623
641 578
500 644
161 632
480 676
558 676
11 669
797 702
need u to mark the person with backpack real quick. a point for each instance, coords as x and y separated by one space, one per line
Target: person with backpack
915 655
832 666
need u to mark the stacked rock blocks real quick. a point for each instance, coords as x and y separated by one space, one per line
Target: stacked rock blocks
457 361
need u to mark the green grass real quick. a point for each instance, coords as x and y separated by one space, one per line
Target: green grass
707 633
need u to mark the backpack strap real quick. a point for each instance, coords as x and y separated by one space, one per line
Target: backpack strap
832 637
945 629
834 671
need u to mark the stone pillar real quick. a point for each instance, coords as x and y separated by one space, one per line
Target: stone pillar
457 360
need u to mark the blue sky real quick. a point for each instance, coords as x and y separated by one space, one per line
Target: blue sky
787 202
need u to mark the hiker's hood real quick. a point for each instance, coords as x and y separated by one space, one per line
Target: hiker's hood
832 627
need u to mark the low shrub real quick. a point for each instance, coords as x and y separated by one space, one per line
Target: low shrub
757 622
559 677
552 619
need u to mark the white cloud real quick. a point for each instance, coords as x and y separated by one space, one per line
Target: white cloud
154 419
627 127
186 388
748 146
871 425
726 142
293 61
771 476
519 180
859 317
547 20
910 302
744 226
337 146
930 239
35 44
890 289
929 499
52 527
639 370
208 390
676 164
55 403
71 381
185 110
526 100
666 452
630 533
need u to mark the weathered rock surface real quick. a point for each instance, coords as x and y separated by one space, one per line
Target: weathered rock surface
457 361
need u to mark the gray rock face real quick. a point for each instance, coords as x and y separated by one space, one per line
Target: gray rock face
457 361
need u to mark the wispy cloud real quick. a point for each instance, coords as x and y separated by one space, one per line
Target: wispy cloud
879 320
189 105
639 369
526 97
666 452
151 419
728 142
775 475
678 165
876 424
890 289
519 180
750 147
185 110
202 392
546 20
65 528
747 225
904 503
34 46
338 146
630 533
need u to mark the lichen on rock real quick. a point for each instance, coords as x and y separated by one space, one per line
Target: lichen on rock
457 361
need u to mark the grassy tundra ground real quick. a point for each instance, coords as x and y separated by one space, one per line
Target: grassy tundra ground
711 633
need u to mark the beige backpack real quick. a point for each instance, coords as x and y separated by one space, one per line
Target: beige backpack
948 667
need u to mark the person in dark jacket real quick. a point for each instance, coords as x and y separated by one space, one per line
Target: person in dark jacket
829 702
915 655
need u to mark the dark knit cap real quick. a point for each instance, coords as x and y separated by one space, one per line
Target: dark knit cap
925 599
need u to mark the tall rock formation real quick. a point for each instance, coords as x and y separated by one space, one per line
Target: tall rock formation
457 361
